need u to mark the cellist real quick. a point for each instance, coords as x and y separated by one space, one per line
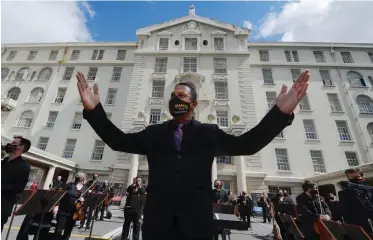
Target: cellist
67 208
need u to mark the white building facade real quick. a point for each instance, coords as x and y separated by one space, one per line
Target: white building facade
237 82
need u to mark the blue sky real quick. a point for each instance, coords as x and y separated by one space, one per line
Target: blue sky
118 21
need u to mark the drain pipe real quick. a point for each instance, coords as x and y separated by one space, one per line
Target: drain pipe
362 144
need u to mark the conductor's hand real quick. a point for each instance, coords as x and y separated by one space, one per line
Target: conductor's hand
89 99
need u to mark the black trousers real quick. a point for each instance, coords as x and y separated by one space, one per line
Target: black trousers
246 218
266 215
64 224
175 232
131 216
6 211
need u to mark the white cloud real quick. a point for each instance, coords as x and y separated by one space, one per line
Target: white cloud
45 21
248 24
321 21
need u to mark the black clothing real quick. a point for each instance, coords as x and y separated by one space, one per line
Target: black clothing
245 205
335 209
266 207
67 203
14 178
96 186
220 196
189 168
131 190
310 211
65 224
56 184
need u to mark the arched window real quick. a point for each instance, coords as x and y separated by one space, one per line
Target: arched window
365 104
11 76
45 74
25 119
4 73
22 74
355 79
14 93
370 129
36 95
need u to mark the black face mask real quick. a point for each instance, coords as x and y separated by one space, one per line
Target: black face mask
178 107
9 148
314 192
217 186
356 180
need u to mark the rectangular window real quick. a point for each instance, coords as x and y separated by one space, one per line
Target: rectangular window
92 72
224 160
335 104
75 55
295 56
264 55
98 54
117 73
155 116
98 150
292 56
43 142
295 74
344 132
158 89
304 104
310 129
319 56
191 44
267 76
282 159
325 77
221 90
274 189
220 65
317 161
68 73
271 99
190 64
111 95
11 56
78 120
346 57
31 56
52 117
163 44
121 54
288 56
160 65
352 159
60 95
370 55
218 44
53 55
69 148
222 118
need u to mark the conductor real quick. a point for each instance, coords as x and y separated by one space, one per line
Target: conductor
180 154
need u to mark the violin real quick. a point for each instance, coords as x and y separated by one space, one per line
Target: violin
79 214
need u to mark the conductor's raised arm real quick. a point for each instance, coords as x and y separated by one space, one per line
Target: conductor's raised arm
95 115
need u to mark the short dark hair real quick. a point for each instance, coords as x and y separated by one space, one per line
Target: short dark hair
137 177
308 184
192 87
24 142
352 170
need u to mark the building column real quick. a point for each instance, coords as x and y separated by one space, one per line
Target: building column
214 171
134 168
241 175
49 177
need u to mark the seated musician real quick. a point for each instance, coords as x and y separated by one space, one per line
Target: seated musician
131 214
245 205
67 208
355 203
310 210
219 194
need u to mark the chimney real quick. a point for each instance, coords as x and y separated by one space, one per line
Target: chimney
192 10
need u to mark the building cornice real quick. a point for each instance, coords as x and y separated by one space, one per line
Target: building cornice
310 64
311 45
71 44
191 53
68 63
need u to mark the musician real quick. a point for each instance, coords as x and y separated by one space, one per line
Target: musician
57 183
310 209
265 203
334 207
14 175
181 152
131 214
287 199
67 208
245 205
105 189
95 187
356 205
219 194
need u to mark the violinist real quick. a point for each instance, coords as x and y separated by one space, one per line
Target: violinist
67 208
94 186
311 207
106 189
265 203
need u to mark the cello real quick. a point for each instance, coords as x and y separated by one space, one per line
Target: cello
79 214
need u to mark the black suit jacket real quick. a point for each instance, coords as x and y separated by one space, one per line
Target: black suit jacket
189 168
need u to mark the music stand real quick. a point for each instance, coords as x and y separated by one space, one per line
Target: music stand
356 232
40 202
93 200
223 208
